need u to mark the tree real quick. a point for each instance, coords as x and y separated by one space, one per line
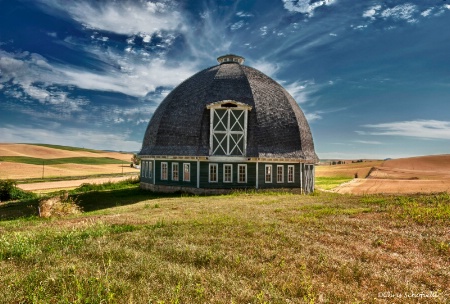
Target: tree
135 160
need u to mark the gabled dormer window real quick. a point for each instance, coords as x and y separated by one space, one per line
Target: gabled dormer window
228 133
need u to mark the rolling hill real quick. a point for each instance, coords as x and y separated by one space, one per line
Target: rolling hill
31 161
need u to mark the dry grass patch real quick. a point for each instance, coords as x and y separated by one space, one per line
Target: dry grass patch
58 206
242 248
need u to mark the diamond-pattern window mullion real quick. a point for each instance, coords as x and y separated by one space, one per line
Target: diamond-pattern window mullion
236 143
220 125
240 127
228 132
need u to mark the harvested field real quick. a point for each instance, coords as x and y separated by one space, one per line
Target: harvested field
347 170
426 174
59 162
393 186
423 168
24 171
50 153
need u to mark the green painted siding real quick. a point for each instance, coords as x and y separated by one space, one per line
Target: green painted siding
274 184
204 176
220 184
146 174
180 182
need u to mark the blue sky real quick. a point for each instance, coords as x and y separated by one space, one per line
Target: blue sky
373 77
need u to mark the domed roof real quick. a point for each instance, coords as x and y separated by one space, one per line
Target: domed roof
276 126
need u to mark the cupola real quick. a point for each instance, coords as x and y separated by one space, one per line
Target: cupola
230 58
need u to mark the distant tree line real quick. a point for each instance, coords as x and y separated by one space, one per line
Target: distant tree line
342 162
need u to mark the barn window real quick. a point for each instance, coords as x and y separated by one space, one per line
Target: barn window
164 171
187 172
280 174
227 173
143 164
268 174
290 174
242 173
213 173
175 171
228 133
150 169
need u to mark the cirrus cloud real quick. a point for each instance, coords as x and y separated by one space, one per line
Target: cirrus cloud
427 129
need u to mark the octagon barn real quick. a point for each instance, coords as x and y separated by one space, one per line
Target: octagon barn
228 127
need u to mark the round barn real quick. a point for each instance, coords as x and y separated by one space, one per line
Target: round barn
228 127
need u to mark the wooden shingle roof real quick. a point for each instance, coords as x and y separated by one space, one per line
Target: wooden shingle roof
277 127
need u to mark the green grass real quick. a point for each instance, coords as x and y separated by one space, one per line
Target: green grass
67 148
60 161
134 246
328 183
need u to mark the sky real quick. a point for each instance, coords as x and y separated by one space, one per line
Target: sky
372 77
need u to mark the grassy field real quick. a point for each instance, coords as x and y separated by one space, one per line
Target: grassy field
132 246
67 148
330 182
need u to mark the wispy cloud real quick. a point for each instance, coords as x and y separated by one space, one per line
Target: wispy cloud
368 142
372 12
310 117
400 12
268 68
122 17
70 137
305 6
237 25
427 129
426 12
408 12
301 90
134 79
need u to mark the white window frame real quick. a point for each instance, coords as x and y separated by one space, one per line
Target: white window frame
164 173
187 165
216 166
239 173
225 177
280 180
175 172
143 168
291 175
228 144
268 174
147 168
